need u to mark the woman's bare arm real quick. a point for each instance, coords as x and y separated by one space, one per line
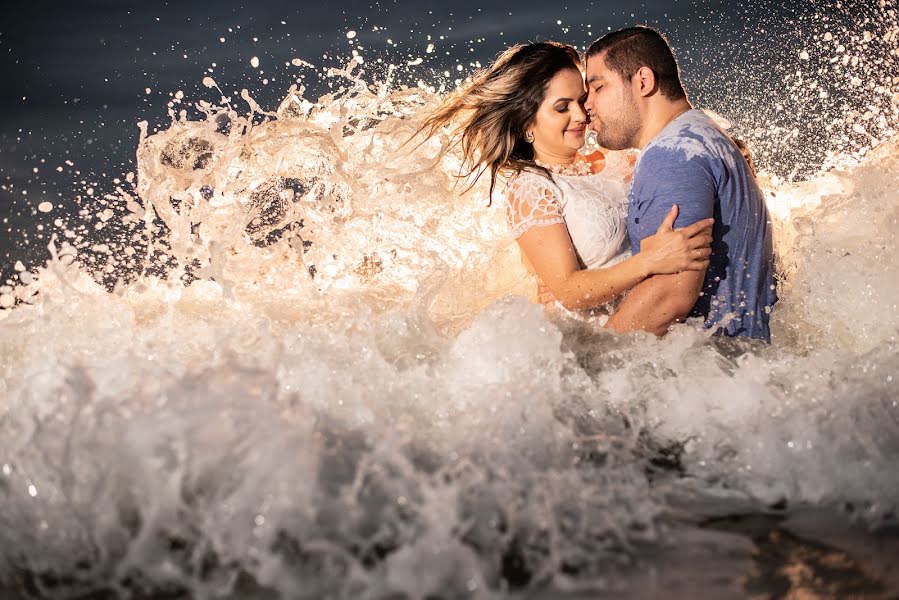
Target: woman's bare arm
550 251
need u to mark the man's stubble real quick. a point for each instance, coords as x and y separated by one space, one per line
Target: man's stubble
621 131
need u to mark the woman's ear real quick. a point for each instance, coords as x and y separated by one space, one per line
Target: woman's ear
528 134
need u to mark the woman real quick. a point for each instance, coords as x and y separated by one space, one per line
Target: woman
525 116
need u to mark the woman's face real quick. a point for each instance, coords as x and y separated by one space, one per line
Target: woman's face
561 121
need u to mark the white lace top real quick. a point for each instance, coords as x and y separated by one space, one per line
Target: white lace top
593 207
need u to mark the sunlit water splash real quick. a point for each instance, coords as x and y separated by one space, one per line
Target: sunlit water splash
290 358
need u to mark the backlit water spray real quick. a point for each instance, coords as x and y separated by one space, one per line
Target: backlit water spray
288 359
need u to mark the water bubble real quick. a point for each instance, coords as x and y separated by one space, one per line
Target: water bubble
45 206
254 62
350 34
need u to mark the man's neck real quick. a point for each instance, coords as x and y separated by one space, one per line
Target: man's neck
659 117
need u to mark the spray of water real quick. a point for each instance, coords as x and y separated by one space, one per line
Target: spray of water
288 357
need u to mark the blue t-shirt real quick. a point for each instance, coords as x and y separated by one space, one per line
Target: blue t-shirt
694 164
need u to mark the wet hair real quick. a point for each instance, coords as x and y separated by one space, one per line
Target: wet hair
493 110
628 50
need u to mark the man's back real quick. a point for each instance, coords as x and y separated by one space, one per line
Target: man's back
693 164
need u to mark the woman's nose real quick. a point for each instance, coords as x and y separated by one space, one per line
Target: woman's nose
580 113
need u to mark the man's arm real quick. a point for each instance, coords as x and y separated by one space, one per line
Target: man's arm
666 176
656 303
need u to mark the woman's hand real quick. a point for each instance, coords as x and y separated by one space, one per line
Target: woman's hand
545 295
672 250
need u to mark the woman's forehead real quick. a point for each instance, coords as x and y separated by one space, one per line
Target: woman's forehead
565 81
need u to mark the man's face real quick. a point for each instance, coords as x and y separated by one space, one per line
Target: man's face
614 114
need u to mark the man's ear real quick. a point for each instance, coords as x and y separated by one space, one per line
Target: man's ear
644 82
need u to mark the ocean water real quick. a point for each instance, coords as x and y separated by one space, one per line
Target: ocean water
287 357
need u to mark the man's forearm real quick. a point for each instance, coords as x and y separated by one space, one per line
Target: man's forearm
657 303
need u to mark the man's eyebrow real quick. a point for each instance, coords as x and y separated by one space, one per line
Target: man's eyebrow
593 78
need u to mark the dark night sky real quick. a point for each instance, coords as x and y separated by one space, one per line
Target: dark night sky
74 73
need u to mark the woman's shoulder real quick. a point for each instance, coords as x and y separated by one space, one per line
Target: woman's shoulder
530 182
528 175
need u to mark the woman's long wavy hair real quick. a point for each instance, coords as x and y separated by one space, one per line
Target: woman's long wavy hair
492 112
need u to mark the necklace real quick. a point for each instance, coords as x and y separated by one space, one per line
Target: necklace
575 169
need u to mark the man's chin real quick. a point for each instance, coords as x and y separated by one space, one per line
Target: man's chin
613 144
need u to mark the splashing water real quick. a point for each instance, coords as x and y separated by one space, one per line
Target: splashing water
290 359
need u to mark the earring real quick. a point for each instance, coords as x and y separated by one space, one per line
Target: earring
529 137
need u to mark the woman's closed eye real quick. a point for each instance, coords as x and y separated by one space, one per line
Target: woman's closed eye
563 107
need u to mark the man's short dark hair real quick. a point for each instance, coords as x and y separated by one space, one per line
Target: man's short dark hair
627 50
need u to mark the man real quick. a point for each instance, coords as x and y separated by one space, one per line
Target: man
636 100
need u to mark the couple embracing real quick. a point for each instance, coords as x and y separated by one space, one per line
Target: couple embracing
682 233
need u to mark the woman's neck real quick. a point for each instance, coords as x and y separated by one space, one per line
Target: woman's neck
555 159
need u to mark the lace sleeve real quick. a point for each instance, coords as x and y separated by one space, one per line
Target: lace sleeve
533 202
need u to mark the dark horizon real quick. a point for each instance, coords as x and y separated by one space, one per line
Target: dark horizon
76 75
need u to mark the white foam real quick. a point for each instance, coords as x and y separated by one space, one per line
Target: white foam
354 393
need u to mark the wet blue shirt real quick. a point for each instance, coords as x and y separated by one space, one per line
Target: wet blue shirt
694 164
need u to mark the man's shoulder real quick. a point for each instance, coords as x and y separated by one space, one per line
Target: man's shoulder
693 140
688 137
